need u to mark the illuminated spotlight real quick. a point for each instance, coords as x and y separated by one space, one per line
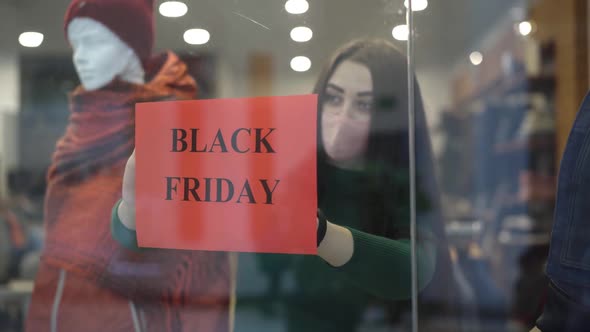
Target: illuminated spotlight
525 28
476 58
196 36
400 32
173 9
301 34
296 6
31 39
417 5
300 63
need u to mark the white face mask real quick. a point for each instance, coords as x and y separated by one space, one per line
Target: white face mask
346 114
100 56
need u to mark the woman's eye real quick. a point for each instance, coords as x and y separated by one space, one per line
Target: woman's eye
365 105
333 99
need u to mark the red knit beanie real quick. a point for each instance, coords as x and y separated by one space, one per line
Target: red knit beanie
131 20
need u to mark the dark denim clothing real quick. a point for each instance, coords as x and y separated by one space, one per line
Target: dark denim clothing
568 266
563 314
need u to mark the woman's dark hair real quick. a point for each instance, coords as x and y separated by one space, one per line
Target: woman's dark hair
387 158
387 155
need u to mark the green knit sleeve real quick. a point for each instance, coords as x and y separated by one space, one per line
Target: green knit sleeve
123 235
382 266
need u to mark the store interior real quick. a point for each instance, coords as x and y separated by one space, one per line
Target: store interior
501 82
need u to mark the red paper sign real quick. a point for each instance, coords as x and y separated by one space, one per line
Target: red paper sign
228 174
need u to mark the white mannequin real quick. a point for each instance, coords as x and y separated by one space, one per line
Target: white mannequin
100 55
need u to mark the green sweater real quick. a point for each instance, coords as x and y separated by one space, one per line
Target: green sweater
325 298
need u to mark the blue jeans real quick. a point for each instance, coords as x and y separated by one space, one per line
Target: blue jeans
568 266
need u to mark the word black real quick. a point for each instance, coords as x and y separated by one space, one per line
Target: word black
240 141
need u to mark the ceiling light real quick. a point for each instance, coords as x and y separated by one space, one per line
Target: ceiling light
476 58
173 9
417 5
196 36
300 63
301 34
31 39
400 32
296 6
525 28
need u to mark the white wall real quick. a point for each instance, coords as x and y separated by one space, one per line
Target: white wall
9 93
435 83
9 77
232 79
9 66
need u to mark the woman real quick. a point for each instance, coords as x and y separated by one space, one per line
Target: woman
363 181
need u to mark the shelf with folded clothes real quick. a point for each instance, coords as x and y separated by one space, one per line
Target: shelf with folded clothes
531 187
535 131
525 199
526 218
520 145
507 237
507 85
525 231
537 187
531 174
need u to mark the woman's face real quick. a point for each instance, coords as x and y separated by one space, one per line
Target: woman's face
346 114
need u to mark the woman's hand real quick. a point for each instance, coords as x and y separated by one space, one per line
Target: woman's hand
127 207
337 246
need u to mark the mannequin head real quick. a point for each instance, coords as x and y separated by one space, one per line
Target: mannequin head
110 38
100 55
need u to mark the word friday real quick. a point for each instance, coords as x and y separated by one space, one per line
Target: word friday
224 190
